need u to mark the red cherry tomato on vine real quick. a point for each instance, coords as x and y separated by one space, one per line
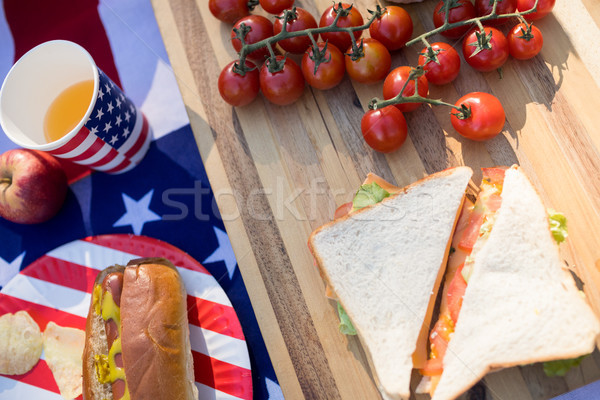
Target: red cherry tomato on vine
373 66
487 59
384 129
544 8
393 29
238 90
341 40
523 45
395 81
228 10
329 74
260 29
443 70
275 6
461 10
303 20
282 87
484 7
486 118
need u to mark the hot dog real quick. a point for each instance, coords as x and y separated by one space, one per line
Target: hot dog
137 335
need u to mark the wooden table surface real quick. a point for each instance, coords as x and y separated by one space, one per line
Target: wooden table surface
279 172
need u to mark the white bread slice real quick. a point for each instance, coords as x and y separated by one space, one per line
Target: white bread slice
384 263
521 306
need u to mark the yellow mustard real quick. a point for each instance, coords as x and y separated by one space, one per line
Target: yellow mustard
106 366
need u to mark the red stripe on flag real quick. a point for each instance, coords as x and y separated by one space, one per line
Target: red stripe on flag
106 159
73 143
71 275
229 378
144 246
90 151
140 140
41 314
40 376
201 313
119 167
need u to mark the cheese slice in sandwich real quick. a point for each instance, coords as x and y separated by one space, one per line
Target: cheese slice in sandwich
383 263
520 304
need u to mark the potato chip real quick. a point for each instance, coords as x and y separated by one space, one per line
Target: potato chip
63 348
20 343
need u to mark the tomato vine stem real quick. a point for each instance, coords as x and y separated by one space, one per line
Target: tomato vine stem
285 34
477 20
376 103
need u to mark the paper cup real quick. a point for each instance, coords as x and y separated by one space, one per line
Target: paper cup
113 136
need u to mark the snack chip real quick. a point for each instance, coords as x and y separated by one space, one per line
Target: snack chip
63 348
20 343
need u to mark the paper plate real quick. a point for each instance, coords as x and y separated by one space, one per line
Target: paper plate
57 288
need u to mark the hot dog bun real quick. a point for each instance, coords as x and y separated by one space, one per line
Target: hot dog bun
154 335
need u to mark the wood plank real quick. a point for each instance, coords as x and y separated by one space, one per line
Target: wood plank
280 172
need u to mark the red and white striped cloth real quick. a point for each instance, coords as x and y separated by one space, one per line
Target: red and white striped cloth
57 287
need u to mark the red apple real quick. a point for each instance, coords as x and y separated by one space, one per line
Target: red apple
33 186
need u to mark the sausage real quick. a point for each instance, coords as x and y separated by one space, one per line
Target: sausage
113 284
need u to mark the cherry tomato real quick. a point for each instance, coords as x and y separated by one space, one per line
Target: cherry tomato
260 29
384 129
330 73
393 29
341 40
484 7
490 58
486 118
544 8
282 87
275 6
238 90
394 83
303 20
460 10
228 10
446 65
373 66
524 44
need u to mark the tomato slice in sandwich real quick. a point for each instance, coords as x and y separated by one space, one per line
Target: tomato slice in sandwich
480 220
456 291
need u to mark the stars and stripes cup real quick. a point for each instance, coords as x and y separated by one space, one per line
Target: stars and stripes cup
57 87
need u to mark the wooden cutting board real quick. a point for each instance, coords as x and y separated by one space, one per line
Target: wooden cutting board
279 172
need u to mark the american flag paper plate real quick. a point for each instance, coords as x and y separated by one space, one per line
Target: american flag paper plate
57 287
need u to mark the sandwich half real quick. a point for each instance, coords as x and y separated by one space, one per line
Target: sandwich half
384 264
520 305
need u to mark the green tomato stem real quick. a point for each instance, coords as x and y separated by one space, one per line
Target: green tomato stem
415 98
284 34
476 20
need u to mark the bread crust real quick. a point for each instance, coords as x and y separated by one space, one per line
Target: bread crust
155 340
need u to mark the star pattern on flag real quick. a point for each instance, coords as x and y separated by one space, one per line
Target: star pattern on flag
114 116
223 252
9 270
137 212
